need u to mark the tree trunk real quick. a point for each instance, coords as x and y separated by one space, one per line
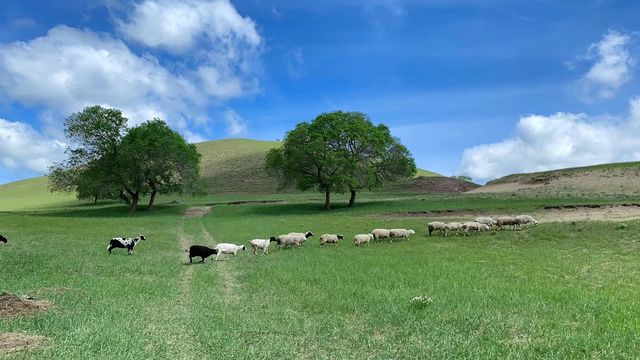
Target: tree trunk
153 197
134 202
352 199
95 199
327 199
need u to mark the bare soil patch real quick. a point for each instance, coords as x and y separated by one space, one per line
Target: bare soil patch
14 342
547 214
433 184
12 306
242 202
197 212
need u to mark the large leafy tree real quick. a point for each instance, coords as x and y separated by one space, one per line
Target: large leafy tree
156 159
339 152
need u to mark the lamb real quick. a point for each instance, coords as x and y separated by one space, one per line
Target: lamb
381 233
362 239
262 244
436 226
330 239
525 220
486 220
304 236
401 233
124 243
3 239
224 248
449 227
505 220
200 251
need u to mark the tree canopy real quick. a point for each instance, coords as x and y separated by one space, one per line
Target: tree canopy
340 152
107 160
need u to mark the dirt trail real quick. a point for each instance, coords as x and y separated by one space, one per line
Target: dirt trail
228 284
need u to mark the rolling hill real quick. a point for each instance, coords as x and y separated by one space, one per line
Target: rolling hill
230 166
605 180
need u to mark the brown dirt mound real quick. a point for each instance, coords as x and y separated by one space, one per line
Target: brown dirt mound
14 342
12 306
433 184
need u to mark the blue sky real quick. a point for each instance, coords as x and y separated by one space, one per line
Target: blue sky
478 88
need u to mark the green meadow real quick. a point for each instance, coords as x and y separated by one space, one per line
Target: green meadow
557 290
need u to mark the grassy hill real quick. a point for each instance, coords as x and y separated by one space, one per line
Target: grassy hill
605 180
230 166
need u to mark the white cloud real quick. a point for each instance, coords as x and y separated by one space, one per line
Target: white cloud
294 61
235 124
23 147
557 141
178 26
612 66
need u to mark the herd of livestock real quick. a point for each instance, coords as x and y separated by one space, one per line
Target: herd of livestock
295 239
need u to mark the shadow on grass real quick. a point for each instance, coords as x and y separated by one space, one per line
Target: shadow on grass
114 210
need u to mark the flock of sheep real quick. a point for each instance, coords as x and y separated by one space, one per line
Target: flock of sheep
295 239
481 223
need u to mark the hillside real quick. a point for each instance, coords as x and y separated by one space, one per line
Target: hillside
605 180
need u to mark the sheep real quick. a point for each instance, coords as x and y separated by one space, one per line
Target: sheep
262 244
505 220
3 239
401 233
224 248
436 226
525 220
362 239
451 227
381 233
290 239
201 251
330 239
124 243
472 225
486 220
304 236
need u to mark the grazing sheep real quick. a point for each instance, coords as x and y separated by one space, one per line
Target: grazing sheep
436 226
362 239
401 233
290 239
486 220
124 243
506 221
224 248
381 234
330 239
262 244
525 220
3 239
472 225
200 251
449 227
303 236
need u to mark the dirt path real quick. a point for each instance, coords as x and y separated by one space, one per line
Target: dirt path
228 284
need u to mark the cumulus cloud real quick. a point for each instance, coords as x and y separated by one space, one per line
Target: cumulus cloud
612 66
235 124
22 146
557 141
178 26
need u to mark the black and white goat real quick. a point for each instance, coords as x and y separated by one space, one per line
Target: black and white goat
124 243
201 251
3 239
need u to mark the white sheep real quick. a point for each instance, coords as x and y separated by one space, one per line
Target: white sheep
293 239
401 233
473 225
362 239
261 244
525 220
224 248
486 220
303 236
452 226
330 239
436 226
381 233
506 220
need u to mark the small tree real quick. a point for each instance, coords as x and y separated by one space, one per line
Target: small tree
462 177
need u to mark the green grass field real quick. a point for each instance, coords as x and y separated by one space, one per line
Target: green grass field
560 291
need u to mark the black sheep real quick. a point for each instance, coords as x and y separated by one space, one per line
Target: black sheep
3 239
201 251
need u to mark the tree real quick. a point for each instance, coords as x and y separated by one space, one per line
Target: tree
156 159
462 177
340 151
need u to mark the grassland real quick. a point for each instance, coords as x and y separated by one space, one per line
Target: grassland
565 290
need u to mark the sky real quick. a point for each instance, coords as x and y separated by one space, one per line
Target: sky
476 88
